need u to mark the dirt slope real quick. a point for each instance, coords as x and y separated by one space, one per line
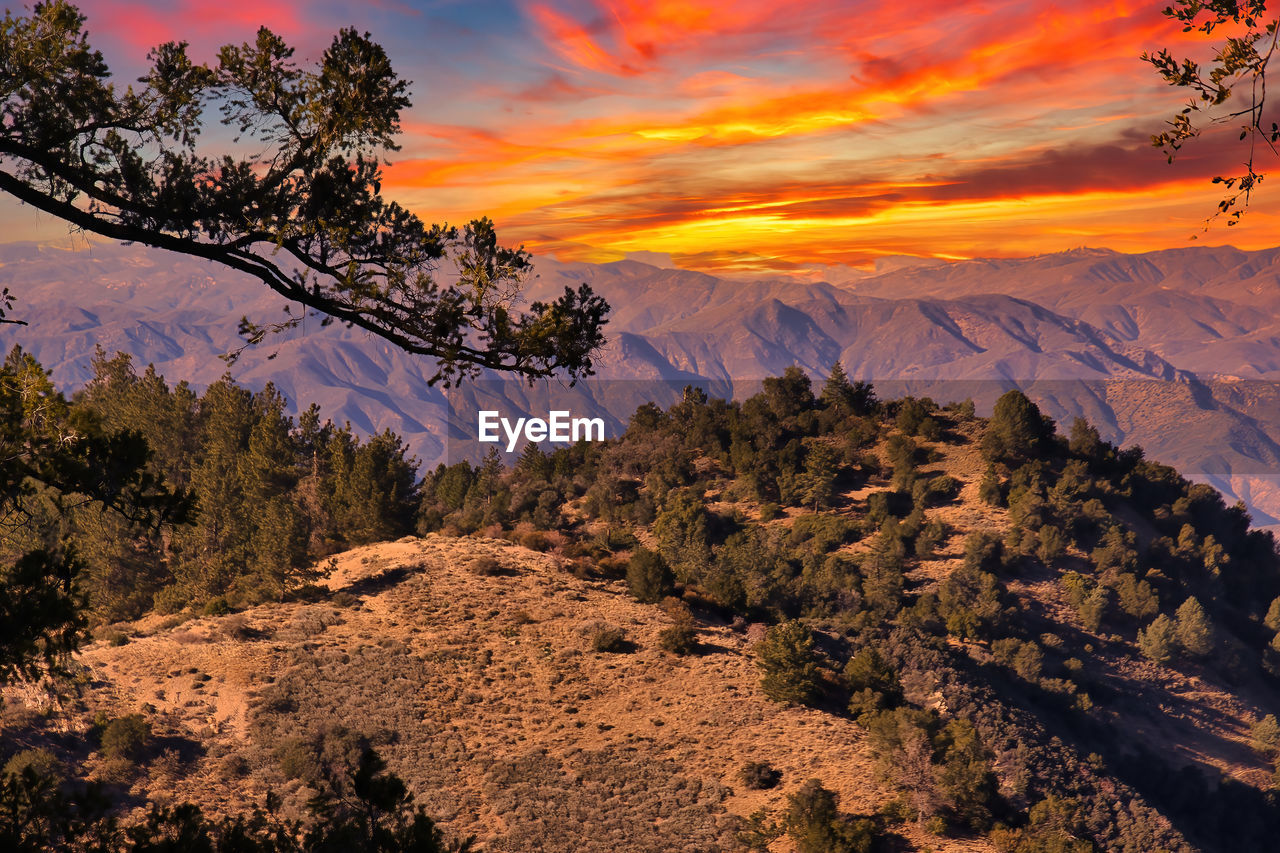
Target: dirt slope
483 692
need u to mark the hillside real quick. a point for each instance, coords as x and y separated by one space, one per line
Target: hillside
484 694
978 635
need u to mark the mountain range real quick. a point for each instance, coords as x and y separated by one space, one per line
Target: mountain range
1175 350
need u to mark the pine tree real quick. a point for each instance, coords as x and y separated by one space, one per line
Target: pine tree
837 391
819 478
857 398
269 479
789 394
683 536
1272 619
789 665
55 458
213 552
1017 430
1193 629
372 493
1158 640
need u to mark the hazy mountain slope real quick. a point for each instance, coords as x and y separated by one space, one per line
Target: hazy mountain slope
971 328
1180 303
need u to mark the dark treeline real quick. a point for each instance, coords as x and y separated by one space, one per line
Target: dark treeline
271 495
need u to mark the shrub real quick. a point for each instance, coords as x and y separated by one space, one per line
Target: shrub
126 737
1052 544
217 607
869 670
297 759
345 599
1054 825
788 663
902 457
1136 597
984 552
113 637
969 602
936 490
649 577
1024 658
965 777
679 638
815 824
989 491
42 762
607 638
759 775
770 511
485 566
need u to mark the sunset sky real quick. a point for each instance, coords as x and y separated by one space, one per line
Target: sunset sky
762 136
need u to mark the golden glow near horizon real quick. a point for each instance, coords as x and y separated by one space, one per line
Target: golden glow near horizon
767 136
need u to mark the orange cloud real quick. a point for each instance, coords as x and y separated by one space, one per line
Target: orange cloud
772 134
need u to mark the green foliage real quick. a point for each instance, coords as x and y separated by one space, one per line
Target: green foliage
40 762
969 602
817 482
273 495
913 414
1024 658
126 737
1136 598
1088 598
1193 630
356 809
983 552
965 777
681 636
217 607
1084 441
648 576
989 491
789 664
873 683
1017 430
1239 61
850 398
790 394
815 825
1264 736
1158 641
902 452
1052 544
1054 825
298 204
683 533
62 462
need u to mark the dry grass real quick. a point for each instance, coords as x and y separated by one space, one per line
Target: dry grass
485 694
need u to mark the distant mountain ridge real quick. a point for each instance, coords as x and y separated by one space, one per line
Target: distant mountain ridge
1177 350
